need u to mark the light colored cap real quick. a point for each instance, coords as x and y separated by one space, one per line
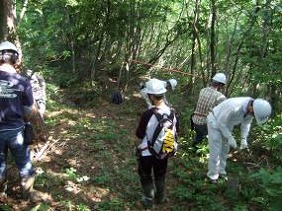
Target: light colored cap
155 86
219 77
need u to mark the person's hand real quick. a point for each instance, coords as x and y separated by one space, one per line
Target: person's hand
244 144
232 142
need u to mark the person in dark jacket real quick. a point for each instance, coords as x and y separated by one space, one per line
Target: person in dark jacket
16 104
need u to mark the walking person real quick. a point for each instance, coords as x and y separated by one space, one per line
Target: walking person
147 162
209 97
221 121
170 85
16 103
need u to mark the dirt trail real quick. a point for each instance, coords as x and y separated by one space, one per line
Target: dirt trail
71 147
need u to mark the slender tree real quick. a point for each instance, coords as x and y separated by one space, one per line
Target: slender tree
213 37
8 20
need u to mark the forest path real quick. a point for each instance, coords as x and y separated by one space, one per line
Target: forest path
89 161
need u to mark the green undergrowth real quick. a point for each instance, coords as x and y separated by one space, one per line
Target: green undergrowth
94 167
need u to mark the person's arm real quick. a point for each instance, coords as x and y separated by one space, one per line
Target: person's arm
223 121
225 117
220 99
223 114
27 110
141 129
245 129
27 99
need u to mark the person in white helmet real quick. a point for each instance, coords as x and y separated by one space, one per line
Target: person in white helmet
170 85
209 97
221 121
147 162
16 104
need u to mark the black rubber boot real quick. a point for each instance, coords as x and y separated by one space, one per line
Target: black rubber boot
147 199
160 186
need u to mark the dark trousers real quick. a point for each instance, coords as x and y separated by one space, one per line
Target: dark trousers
201 133
13 141
147 164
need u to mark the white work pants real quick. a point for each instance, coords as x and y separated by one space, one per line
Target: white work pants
219 149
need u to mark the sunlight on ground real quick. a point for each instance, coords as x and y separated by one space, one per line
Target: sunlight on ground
60 112
71 122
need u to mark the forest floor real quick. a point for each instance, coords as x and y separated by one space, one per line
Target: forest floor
89 163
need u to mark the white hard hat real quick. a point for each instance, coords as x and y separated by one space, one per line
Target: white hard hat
173 83
219 77
154 86
262 110
6 45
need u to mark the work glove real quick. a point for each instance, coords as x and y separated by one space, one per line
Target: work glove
232 142
244 144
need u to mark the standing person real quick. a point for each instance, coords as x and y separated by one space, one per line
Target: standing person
38 90
170 85
222 119
147 162
16 103
209 97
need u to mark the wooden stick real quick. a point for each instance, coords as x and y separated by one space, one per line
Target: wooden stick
165 68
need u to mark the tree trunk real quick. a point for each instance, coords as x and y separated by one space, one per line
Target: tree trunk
25 3
194 42
11 19
213 38
2 21
229 88
8 20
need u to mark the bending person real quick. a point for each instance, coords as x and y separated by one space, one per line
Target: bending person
221 121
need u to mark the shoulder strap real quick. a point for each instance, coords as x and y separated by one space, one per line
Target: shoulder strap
172 114
158 128
157 114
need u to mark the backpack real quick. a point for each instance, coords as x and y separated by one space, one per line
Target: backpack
164 140
117 98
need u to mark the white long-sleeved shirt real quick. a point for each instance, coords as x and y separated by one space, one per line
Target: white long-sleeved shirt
231 112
